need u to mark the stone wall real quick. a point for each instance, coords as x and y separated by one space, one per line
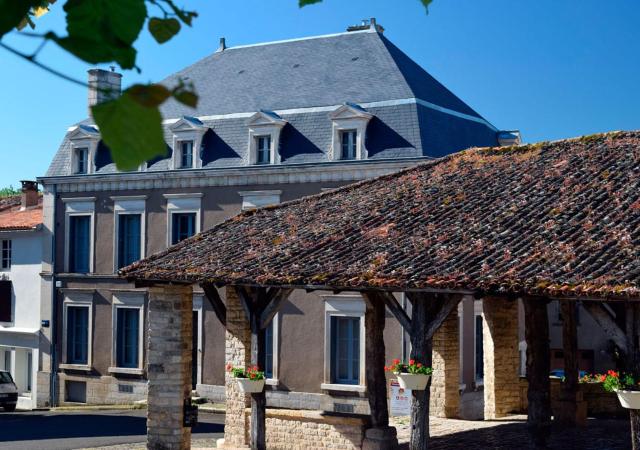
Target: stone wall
102 390
501 359
445 384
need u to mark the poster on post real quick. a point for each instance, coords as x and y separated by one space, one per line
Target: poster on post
400 400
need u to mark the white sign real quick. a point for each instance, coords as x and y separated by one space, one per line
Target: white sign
400 400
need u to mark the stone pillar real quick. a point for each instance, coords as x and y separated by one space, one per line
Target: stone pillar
237 354
445 382
169 366
501 361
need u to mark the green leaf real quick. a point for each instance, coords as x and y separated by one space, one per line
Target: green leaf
186 98
426 4
96 52
132 131
149 95
185 16
163 29
302 3
13 12
111 19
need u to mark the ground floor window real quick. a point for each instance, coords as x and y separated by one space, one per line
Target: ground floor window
345 350
127 342
479 350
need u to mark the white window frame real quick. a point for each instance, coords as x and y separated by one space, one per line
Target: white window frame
343 305
349 117
259 199
78 299
127 300
123 205
84 137
79 206
5 263
264 123
183 203
198 303
187 129
275 323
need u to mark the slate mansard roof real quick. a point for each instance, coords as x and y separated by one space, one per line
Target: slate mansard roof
304 80
559 218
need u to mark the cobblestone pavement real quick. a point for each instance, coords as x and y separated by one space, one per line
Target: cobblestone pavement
511 433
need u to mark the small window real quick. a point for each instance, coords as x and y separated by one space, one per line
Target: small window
79 244
82 160
348 140
77 335
183 226
6 254
345 350
129 238
479 356
268 344
5 301
186 154
128 337
263 147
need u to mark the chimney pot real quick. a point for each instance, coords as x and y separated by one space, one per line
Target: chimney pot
29 197
104 85
223 45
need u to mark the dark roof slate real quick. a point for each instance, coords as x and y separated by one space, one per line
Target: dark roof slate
560 218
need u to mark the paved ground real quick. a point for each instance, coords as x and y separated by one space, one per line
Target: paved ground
510 434
47 430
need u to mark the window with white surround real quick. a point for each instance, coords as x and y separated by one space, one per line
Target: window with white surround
271 342
84 143
129 226
478 345
128 333
258 199
264 138
79 234
198 321
5 254
344 343
187 142
349 132
77 330
183 216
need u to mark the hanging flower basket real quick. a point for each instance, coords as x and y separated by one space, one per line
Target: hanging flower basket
629 399
626 386
412 376
250 386
413 381
250 381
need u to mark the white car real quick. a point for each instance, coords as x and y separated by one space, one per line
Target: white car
8 392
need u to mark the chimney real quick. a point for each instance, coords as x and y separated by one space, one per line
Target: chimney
223 45
103 85
367 24
507 138
29 194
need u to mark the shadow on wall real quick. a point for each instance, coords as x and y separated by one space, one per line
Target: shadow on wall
293 143
214 148
381 137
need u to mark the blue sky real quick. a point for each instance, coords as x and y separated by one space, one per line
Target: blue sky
551 68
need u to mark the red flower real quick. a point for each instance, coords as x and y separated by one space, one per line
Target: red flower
419 365
412 362
396 361
613 373
601 378
229 367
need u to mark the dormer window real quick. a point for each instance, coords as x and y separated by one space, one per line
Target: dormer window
186 154
349 131
263 147
349 139
82 160
187 141
264 138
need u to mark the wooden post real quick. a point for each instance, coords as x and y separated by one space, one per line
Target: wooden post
633 361
538 367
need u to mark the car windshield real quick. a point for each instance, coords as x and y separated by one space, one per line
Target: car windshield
5 377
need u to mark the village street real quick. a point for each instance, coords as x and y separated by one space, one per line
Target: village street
55 430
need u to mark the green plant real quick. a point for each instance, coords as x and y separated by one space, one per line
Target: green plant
251 373
8 191
614 381
413 367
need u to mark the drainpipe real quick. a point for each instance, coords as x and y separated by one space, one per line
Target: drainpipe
54 309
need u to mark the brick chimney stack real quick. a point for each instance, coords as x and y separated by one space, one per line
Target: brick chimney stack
103 85
29 194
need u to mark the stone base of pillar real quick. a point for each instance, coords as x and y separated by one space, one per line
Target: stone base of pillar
380 439
220 444
570 411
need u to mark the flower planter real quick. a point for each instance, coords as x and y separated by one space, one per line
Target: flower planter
629 399
250 386
415 382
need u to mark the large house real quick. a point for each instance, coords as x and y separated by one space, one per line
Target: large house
275 121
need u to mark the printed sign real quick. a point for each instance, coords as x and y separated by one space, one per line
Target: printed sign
400 400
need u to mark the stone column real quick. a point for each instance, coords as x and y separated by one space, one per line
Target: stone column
169 366
237 354
445 381
501 361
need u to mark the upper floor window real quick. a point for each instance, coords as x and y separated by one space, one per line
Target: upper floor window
186 154
183 225
82 160
79 243
348 139
5 256
263 147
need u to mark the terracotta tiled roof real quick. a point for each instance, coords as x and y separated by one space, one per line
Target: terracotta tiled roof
11 218
551 218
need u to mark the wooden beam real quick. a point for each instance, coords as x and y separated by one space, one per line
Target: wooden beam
258 400
568 311
608 324
632 313
538 367
245 295
278 297
392 303
219 308
438 307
